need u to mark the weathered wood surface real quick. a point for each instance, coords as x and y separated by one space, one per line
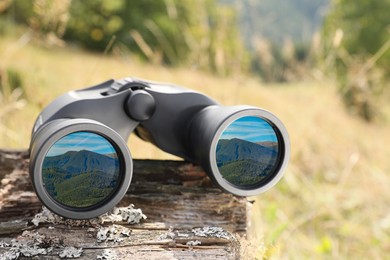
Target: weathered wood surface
187 216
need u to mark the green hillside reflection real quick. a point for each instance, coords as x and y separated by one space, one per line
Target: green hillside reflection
247 151
81 178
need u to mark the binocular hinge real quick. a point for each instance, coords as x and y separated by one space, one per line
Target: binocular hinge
125 84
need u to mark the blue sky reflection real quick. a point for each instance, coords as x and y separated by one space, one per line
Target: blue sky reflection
81 141
250 128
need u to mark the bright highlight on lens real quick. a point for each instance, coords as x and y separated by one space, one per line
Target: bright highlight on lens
247 151
81 169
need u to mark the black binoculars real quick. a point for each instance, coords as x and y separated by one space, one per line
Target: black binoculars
80 164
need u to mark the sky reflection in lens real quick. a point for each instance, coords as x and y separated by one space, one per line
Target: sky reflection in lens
81 141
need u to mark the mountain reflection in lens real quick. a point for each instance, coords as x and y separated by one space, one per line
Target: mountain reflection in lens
247 151
81 169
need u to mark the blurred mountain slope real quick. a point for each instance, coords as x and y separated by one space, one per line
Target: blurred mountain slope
278 20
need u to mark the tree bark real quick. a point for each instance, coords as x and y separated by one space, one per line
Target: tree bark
187 217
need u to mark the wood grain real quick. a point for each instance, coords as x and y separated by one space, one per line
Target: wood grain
177 197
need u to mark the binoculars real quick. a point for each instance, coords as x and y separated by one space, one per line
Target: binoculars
81 167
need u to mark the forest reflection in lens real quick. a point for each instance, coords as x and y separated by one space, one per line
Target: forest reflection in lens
81 169
247 151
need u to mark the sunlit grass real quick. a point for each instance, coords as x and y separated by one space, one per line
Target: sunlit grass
334 200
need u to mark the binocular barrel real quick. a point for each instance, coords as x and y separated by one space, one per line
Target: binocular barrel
243 149
80 165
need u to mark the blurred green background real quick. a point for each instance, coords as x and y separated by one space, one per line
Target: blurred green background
322 66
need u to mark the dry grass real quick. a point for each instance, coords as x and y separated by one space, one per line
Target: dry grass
334 201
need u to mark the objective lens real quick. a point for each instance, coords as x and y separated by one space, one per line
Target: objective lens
81 169
247 151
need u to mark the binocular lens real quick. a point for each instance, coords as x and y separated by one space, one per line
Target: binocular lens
81 169
244 149
247 152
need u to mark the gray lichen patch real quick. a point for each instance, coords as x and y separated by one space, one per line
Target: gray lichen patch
107 254
10 255
171 234
193 243
123 214
211 232
127 214
48 217
34 244
4 244
70 252
207 231
114 233
29 244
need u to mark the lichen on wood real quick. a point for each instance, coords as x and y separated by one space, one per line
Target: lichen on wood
187 217
127 214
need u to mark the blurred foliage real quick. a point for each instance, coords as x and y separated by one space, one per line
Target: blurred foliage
205 34
199 33
357 51
10 80
11 97
289 62
366 24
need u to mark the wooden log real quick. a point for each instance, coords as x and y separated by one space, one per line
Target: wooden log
187 217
